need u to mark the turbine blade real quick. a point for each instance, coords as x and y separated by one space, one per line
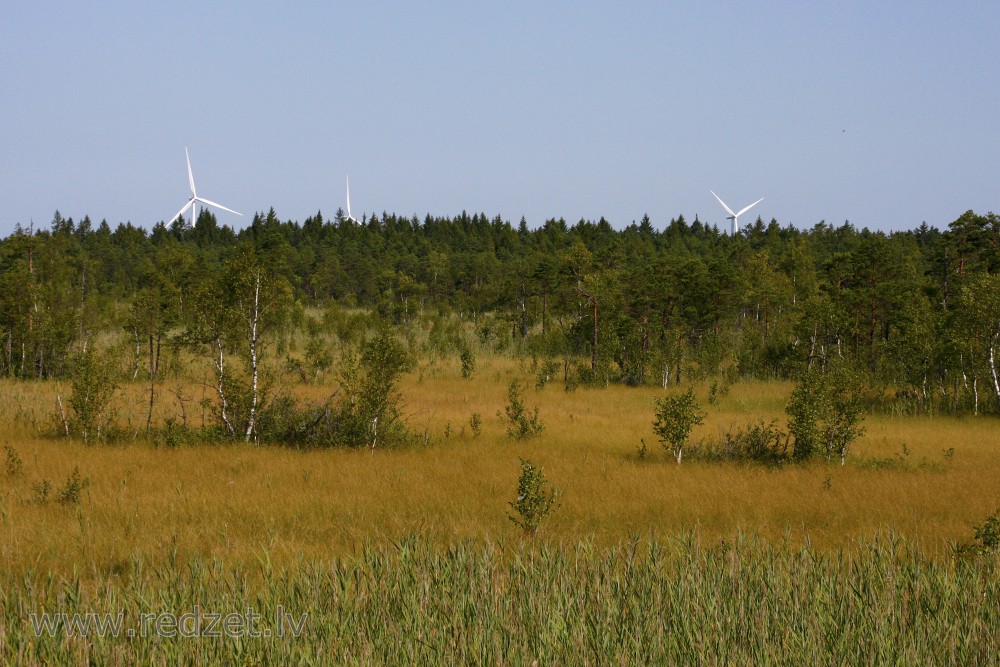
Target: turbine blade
349 198
729 210
749 207
181 212
212 203
190 173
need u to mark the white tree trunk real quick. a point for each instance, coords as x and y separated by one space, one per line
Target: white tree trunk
993 366
975 395
220 369
254 321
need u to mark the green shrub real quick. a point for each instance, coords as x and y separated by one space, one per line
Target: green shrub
546 372
536 499
94 388
757 442
369 410
70 493
42 490
825 413
14 464
468 364
675 417
520 423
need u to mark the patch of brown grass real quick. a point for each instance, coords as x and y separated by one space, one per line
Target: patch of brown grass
241 502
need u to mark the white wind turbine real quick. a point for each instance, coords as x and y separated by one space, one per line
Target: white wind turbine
349 216
735 217
192 203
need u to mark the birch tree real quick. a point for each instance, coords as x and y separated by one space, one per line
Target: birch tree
258 300
238 312
979 309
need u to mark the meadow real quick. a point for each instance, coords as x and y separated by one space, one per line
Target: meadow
416 539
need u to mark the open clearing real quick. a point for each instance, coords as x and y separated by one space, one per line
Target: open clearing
238 502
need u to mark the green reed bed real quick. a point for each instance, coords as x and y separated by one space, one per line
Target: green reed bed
742 602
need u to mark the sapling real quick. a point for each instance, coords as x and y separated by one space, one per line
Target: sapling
520 423
536 499
675 417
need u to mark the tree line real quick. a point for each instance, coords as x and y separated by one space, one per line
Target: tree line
918 311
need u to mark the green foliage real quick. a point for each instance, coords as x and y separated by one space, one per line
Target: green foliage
757 442
70 493
987 539
476 424
642 451
546 372
825 412
42 491
676 415
988 534
318 358
917 309
468 360
94 387
14 465
521 424
173 434
717 391
368 413
536 499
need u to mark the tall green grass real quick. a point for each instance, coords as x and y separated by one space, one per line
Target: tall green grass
745 601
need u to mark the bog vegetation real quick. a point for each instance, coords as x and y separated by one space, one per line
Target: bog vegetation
294 391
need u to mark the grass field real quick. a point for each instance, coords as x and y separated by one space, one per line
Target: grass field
252 509
237 501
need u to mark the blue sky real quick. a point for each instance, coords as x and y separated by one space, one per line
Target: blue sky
884 113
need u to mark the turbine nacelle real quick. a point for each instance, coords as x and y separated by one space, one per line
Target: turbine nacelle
194 200
735 217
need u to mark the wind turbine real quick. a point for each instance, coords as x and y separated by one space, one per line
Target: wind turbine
735 217
349 216
192 203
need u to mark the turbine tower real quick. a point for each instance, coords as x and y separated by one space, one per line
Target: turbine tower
349 216
192 203
735 217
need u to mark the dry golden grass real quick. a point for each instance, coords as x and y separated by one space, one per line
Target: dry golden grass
244 503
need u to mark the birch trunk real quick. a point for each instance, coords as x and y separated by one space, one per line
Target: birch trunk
254 321
993 366
220 369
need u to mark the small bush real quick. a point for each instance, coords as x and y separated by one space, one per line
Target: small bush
521 424
369 412
758 442
536 499
988 534
825 413
546 372
94 388
476 424
675 417
14 464
172 434
468 364
318 358
987 538
70 493
42 490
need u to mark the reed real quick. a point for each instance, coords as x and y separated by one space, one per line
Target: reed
678 601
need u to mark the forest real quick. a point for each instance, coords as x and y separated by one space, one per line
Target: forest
918 312
832 393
